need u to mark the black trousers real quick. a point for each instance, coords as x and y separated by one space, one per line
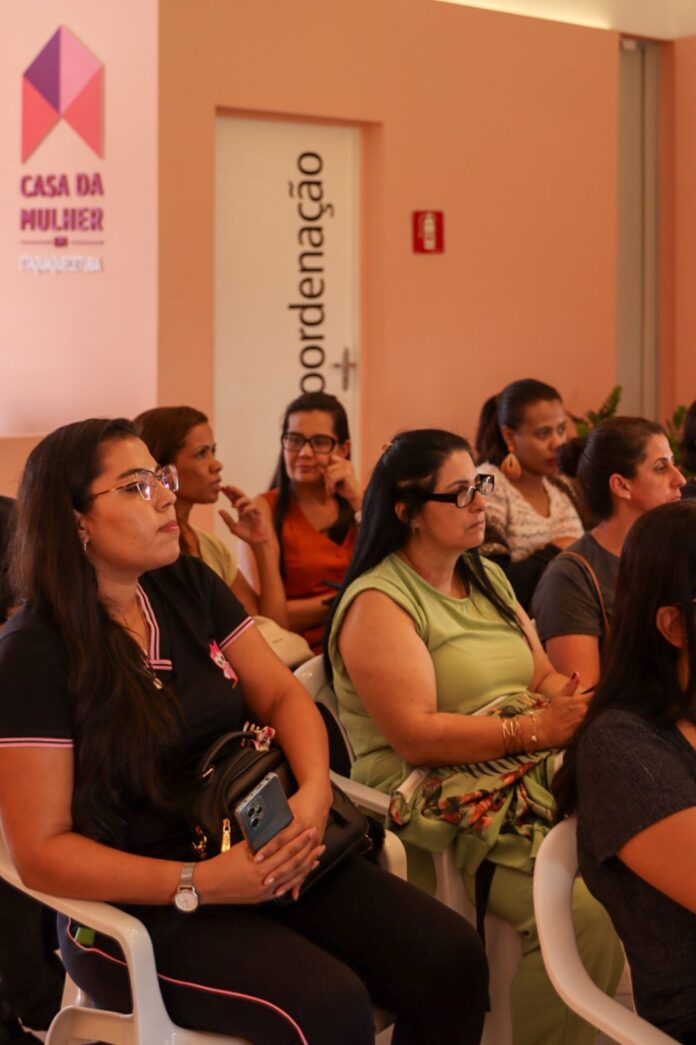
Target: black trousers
31 976
309 972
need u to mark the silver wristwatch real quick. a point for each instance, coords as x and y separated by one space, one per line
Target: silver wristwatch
186 897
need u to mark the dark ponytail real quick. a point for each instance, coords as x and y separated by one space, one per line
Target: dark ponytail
568 456
507 409
616 446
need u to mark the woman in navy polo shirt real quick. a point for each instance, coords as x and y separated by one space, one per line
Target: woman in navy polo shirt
124 664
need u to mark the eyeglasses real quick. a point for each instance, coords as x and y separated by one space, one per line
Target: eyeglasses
321 444
483 484
146 482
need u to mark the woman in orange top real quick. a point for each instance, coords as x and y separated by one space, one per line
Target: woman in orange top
315 498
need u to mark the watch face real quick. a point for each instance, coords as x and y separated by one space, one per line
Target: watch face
186 900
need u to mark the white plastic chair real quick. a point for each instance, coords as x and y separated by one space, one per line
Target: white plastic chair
149 1023
554 875
503 944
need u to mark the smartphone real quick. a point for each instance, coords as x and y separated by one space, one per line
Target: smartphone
264 812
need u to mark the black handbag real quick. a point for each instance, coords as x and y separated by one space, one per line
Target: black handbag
231 768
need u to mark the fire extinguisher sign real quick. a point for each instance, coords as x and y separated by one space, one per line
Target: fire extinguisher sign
428 232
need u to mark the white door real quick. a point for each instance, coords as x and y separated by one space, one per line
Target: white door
286 282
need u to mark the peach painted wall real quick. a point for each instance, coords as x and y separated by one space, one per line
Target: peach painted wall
76 344
685 224
508 124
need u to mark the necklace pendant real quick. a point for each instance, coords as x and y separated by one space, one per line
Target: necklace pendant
157 683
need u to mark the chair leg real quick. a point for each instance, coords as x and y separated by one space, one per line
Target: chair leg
72 995
393 855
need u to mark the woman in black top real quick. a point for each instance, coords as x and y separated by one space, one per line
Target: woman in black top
123 665
631 771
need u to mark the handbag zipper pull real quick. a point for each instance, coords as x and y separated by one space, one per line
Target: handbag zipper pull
226 836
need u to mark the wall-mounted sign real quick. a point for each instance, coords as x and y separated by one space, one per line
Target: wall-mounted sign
428 232
57 210
287 280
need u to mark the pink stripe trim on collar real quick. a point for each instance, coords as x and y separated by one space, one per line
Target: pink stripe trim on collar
153 632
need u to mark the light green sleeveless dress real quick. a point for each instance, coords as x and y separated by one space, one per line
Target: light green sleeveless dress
499 809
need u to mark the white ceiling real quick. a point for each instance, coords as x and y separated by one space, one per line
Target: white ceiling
658 19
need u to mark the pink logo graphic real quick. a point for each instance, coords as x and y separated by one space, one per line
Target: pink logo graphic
63 82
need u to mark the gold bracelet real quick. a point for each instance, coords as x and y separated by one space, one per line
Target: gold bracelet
533 735
511 730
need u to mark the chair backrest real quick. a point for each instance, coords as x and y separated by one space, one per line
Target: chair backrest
312 675
554 875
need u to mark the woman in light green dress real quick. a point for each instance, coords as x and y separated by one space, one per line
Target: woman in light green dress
452 706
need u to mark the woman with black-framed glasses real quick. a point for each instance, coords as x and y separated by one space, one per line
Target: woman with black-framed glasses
315 498
451 705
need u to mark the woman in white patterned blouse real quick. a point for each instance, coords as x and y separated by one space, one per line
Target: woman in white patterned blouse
531 515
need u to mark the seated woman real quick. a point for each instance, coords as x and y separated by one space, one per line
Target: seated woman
451 704
631 772
625 467
688 451
531 513
182 436
124 664
315 500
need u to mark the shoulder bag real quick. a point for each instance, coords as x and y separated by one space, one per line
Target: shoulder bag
231 768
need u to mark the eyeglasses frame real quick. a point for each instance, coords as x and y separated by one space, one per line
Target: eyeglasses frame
307 439
482 480
168 469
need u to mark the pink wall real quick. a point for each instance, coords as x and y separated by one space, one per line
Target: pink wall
78 343
685 223
507 124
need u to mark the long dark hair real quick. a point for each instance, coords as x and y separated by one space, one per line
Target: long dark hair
123 724
617 445
407 469
657 568
328 404
688 440
507 408
6 512
164 429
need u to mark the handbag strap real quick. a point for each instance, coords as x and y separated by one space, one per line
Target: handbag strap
593 579
238 735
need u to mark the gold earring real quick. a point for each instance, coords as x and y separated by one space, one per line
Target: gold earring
510 466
